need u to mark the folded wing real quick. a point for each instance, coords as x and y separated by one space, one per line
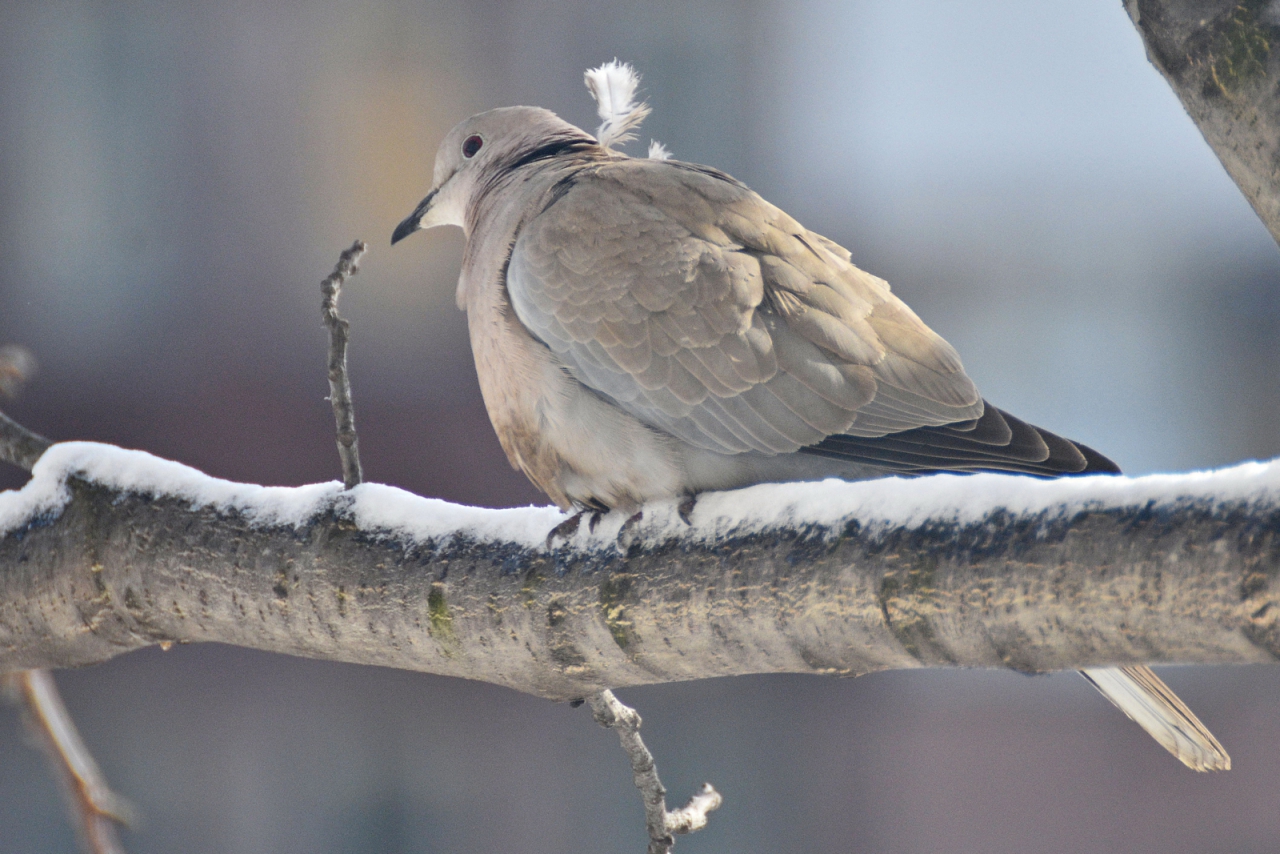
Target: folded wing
709 313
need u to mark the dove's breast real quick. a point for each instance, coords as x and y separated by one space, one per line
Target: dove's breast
573 444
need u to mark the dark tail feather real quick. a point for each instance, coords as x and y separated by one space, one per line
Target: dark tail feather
996 442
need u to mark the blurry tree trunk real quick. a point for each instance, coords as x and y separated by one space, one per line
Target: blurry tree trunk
1222 58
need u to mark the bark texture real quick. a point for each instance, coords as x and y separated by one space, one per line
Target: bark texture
1222 59
1190 581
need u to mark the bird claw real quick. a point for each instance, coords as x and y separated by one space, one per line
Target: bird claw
624 533
566 529
685 509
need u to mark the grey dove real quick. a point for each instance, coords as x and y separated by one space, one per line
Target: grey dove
645 328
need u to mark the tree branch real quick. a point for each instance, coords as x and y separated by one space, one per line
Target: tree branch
1222 59
344 413
94 806
108 550
663 826
18 445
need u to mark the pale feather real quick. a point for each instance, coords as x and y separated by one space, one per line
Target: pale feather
1150 703
613 85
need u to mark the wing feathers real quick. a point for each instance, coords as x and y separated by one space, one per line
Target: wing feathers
837 338
710 314
711 367
1026 450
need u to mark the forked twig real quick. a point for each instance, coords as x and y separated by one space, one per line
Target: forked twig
96 809
339 387
662 825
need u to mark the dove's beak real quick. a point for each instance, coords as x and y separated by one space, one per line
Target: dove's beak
413 222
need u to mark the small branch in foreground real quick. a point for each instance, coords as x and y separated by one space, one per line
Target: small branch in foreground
95 809
661 824
339 387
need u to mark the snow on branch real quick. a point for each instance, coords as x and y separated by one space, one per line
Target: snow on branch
107 550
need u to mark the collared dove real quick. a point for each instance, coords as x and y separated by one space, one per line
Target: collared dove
645 328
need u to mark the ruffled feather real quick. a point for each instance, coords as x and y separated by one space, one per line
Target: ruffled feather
614 85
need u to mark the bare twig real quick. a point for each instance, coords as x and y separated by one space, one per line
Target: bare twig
661 824
339 387
18 445
95 809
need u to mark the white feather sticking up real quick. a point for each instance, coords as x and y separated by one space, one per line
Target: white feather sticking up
658 151
613 85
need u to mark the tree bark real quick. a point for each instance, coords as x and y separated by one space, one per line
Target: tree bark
1222 59
1184 580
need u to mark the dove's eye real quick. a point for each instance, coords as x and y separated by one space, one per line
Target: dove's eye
471 146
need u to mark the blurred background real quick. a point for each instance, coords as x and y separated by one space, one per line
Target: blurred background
175 180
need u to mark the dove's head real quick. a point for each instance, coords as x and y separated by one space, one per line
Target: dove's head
476 154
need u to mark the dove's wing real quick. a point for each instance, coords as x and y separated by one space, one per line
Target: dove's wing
708 313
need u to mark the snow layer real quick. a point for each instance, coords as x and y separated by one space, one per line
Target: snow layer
374 506
890 502
909 502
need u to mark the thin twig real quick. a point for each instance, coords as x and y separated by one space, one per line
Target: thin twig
95 809
18 445
339 387
661 824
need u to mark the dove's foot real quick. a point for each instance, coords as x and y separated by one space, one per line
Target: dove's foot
566 529
685 509
624 533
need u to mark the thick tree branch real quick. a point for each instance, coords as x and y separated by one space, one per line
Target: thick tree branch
1222 58
106 551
